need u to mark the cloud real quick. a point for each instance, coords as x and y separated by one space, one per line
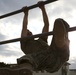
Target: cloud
73 63
70 3
2 36
58 7
9 50
61 9
11 26
12 5
4 51
72 66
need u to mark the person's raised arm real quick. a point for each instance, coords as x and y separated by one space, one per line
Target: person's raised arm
45 19
25 22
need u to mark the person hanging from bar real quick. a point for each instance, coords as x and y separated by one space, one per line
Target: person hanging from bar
39 55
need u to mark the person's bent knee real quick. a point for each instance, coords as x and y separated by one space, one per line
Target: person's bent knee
58 19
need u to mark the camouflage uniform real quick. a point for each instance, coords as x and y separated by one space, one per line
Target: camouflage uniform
42 56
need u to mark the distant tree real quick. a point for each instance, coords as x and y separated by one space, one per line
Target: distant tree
2 64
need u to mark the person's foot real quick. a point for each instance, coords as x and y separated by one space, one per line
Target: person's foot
25 71
60 33
26 68
20 71
16 70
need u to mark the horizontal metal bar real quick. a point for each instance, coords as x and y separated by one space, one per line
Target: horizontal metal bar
30 7
24 38
33 36
72 29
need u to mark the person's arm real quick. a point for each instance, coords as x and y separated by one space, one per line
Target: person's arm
24 28
25 22
45 19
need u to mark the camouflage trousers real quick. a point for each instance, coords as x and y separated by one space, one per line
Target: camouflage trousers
42 56
47 59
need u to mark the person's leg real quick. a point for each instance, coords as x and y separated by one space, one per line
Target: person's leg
60 33
45 20
26 62
59 44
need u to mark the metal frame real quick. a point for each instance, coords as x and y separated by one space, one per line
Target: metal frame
33 36
30 7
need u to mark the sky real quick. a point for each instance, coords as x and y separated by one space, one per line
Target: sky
11 27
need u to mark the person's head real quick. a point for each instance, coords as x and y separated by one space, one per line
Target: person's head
29 32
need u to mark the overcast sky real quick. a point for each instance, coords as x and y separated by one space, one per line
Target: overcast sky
10 27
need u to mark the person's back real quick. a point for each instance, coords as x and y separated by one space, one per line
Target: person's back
33 46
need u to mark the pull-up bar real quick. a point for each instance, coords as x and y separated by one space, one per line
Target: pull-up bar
33 36
30 7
